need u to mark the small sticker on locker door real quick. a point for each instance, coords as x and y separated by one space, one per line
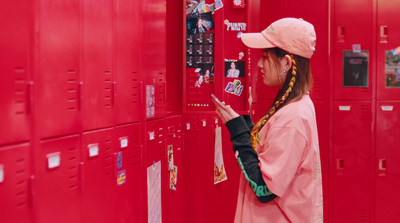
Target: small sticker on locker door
124 142
387 108
188 126
121 177
93 150
119 160
53 160
1 173
151 135
344 108
204 123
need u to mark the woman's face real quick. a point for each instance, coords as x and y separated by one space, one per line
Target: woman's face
269 69
233 66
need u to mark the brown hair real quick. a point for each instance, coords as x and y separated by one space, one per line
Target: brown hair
295 86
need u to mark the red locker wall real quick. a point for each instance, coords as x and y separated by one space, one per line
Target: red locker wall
97 64
15 184
15 90
56 73
98 176
57 180
351 187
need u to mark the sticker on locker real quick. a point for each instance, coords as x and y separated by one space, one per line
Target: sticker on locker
93 150
1 173
53 160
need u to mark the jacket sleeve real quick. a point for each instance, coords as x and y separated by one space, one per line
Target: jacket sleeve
247 157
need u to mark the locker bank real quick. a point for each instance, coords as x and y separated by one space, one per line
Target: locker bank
106 113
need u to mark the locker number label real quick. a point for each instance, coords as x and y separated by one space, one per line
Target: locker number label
124 142
93 150
53 160
1 173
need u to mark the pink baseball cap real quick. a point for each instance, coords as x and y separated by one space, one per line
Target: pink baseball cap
293 35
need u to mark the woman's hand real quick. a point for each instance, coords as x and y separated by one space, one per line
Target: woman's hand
226 113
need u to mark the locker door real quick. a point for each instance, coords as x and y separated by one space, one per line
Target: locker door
316 12
352 27
193 212
205 163
129 187
98 176
154 35
155 151
97 73
57 194
57 76
14 100
128 86
388 36
175 197
351 189
15 202
387 162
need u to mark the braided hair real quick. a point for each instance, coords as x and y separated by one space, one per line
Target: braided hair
294 87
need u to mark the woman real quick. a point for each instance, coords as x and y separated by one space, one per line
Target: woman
233 72
279 155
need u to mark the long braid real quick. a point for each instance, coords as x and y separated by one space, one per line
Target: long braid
278 103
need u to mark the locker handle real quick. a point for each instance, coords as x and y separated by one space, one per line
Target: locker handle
80 95
32 190
140 92
113 93
81 175
339 164
29 97
383 34
382 167
341 33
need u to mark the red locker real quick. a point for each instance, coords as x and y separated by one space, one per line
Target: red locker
387 162
154 36
15 188
57 181
97 65
193 212
174 202
98 176
205 163
128 83
56 76
353 28
155 151
388 34
129 187
351 183
15 91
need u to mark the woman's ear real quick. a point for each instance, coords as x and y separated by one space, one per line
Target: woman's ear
287 62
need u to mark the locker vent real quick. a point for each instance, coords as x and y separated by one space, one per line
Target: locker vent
317 85
135 88
136 150
365 114
20 91
108 161
72 92
21 183
364 215
72 159
107 89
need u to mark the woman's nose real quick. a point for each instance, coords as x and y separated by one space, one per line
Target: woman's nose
260 63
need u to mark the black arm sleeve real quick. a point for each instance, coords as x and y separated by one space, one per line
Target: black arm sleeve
247 158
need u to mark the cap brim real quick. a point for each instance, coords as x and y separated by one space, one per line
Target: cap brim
256 40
